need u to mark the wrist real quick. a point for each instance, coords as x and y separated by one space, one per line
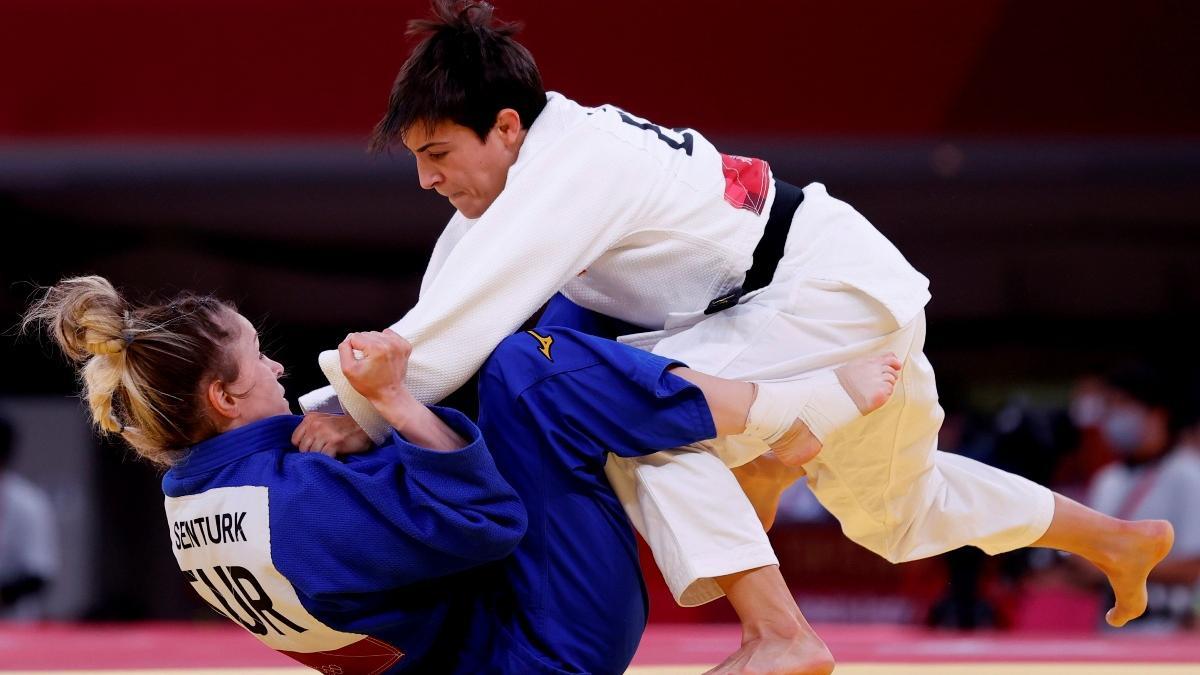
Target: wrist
398 407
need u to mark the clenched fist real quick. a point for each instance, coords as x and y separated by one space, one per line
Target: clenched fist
379 374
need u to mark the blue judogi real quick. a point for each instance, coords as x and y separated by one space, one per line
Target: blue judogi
407 560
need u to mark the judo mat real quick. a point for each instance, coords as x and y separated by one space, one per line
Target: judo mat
214 649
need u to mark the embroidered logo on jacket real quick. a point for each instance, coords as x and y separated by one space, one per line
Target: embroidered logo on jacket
544 342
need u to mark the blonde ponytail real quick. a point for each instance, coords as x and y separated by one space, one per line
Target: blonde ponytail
142 369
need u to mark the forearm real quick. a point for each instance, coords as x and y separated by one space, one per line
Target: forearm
419 425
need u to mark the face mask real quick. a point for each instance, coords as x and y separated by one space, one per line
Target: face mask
1086 410
1125 430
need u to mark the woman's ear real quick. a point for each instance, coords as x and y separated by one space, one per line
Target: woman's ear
222 403
508 126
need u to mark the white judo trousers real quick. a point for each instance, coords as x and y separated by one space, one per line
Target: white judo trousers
882 476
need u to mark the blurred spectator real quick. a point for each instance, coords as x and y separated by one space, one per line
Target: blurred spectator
1154 432
28 540
1189 443
1024 440
1089 399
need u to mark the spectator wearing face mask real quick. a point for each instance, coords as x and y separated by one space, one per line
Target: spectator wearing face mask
1152 429
1090 452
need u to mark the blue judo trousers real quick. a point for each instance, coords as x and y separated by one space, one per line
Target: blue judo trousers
553 403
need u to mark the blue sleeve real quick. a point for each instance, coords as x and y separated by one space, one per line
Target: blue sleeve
392 517
617 397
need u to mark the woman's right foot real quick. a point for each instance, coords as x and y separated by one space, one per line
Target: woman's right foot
1132 554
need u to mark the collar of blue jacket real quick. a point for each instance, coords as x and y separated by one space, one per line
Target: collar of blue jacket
271 433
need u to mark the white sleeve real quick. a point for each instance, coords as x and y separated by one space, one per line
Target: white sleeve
325 399
455 230
322 400
564 208
559 211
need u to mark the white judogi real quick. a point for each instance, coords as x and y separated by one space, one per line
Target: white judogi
881 476
649 225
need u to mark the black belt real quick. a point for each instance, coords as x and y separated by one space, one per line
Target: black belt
770 248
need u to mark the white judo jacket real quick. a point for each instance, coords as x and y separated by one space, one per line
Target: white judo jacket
632 220
649 225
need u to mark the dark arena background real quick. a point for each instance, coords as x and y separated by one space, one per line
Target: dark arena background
1038 161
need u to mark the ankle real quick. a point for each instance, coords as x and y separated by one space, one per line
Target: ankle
783 627
1108 553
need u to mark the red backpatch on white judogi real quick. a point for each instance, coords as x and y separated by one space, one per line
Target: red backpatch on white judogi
746 182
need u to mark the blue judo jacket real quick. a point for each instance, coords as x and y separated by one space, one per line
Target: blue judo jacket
353 566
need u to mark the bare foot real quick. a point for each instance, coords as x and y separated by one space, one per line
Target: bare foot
870 381
1135 550
802 655
794 416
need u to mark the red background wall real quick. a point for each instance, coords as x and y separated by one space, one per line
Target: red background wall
188 68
